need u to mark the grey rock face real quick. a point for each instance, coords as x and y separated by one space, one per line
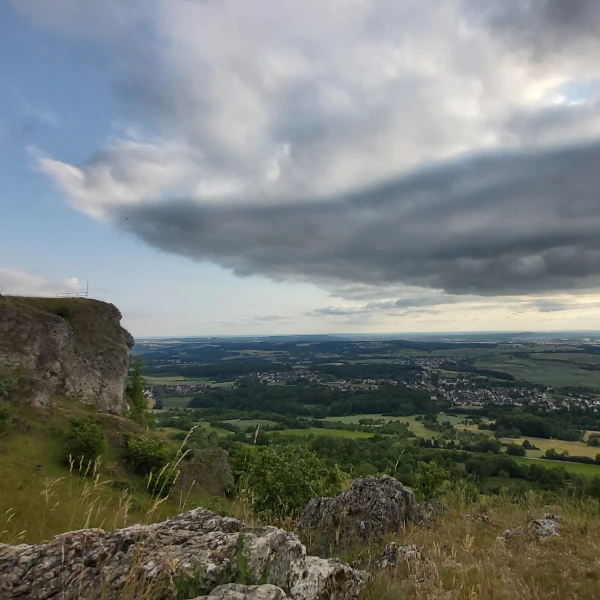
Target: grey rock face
197 546
233 591
83 354
371 507
427 512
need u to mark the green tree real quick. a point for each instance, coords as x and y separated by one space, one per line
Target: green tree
281 480
146 455
135 392
85 441
429 479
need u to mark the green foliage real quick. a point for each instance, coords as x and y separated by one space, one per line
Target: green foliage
9 381
429 479
280 480
6 417
515 450
85 441
135 392
146 455
65 313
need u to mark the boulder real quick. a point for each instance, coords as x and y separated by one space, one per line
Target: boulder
538 529
196 550
234 591
370 508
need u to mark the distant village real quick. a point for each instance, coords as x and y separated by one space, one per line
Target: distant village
463 389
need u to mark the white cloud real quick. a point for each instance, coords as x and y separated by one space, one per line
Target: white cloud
16 282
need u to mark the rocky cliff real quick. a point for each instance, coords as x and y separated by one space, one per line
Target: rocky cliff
194 553
73 347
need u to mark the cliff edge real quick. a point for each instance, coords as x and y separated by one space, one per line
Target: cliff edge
71 346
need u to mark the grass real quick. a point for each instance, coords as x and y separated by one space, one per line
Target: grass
176 402
40 496
353 435
462 560
589 471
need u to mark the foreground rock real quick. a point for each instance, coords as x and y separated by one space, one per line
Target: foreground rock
72 347
371 507
196 550
233 591
538 529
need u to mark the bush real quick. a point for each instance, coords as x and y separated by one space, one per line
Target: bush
65 313
429 479
281 480
146 455
9 381
85 442
6 417
515 450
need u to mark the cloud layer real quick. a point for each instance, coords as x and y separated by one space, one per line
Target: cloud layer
450 145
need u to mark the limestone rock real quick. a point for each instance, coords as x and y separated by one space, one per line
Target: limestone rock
233 591
73 347
427 512
197 546
394 554
539 529
371 507
548 526
209 466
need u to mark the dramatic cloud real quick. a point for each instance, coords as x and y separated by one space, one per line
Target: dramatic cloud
362 145
495 225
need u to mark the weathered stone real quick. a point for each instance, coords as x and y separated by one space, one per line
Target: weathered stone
427 512
209 466
371 507
394 554
83 354
538 529
233 591
196 546
544 528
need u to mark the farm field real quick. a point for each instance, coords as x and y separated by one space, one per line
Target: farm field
246 424
573 448
554 373
578 468
322 431
176 402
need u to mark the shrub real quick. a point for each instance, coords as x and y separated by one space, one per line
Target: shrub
6 417
429 479
281 480
146 455
65 313
85 441
9 381
515 450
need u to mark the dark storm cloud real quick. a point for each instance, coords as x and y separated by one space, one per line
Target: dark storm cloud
495 224
541 26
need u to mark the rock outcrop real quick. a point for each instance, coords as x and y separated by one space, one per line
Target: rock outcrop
371 507
537 529
196 551
234 591
73 347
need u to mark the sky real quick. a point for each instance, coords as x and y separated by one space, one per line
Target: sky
225 167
